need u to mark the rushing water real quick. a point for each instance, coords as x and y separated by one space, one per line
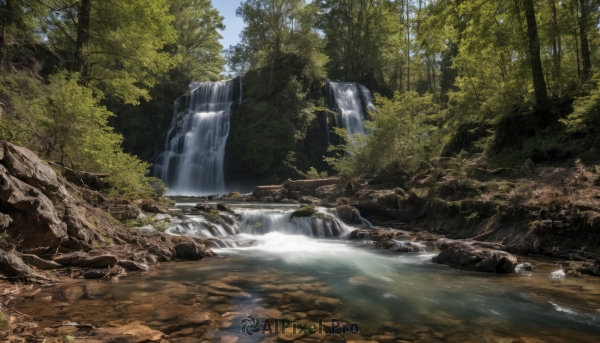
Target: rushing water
283 268
351 100
192 162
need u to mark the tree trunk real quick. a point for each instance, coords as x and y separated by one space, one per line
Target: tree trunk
537 72
6 16
83 37
585 47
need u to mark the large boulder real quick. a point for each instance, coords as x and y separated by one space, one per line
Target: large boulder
476 256
265 191
124 212
310 184
34 219
190 250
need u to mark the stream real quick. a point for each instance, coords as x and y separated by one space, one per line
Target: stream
304 271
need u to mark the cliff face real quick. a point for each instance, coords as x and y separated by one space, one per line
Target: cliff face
38 212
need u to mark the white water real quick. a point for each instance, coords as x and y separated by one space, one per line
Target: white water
350 99
192 162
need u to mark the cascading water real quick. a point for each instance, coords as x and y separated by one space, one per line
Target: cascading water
352 101
192 162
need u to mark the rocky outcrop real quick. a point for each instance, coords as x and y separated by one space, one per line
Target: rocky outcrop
349 215
476 256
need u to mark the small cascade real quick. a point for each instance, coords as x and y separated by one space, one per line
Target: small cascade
193 158
352 101
261 222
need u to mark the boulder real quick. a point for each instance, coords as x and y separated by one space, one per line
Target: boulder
153 208
123 212
308 200
34 218
473 256
223 207
189 251
349 214
206 207
81 259
40 263
12 265
264 191
133 266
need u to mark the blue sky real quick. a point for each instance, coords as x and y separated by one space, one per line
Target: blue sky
233 24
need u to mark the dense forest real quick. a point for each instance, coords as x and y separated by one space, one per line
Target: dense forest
90 84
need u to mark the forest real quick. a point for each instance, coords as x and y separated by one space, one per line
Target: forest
90 84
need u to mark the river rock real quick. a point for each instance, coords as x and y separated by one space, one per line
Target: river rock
349 214
472 256
153 208
133 266
40 263
223 207
224 287
189 251
81 259
12 265
265 191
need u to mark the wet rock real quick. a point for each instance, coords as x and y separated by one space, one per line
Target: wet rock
310 184
154 208
96 273
469 256
81 259
308 200
289 337
224 287
73 293
349 215
12 265
40 263
223 207
134 332
189 251
304 211
217 299
133 266
229 339
196 318
387 338
206 207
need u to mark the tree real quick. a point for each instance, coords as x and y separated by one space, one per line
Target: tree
115 46
537 72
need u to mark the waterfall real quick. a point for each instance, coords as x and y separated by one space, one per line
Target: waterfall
192 161
351 100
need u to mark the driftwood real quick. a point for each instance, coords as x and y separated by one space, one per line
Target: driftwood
81 178
310 184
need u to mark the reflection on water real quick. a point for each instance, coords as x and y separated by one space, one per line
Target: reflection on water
304 278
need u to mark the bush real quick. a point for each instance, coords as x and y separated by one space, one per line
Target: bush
402 133
64 122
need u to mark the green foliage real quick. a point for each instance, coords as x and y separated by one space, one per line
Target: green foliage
304 211
313 173
257 225
402 133
586 113
124 54
214 212
159 225
65 122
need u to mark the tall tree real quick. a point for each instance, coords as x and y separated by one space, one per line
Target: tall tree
116 46
537 72
583 38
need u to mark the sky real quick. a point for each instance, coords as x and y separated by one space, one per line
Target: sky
233 24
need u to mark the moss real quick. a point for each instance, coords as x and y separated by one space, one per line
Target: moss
304 211
159 225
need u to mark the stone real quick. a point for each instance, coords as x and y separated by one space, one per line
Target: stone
469 256
289 337
81 259
223 207
133 266
124 212
153 208
387 338
134 332
189 250
195 318
265 191
224 287
349 215
13 265
73 292
40 263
